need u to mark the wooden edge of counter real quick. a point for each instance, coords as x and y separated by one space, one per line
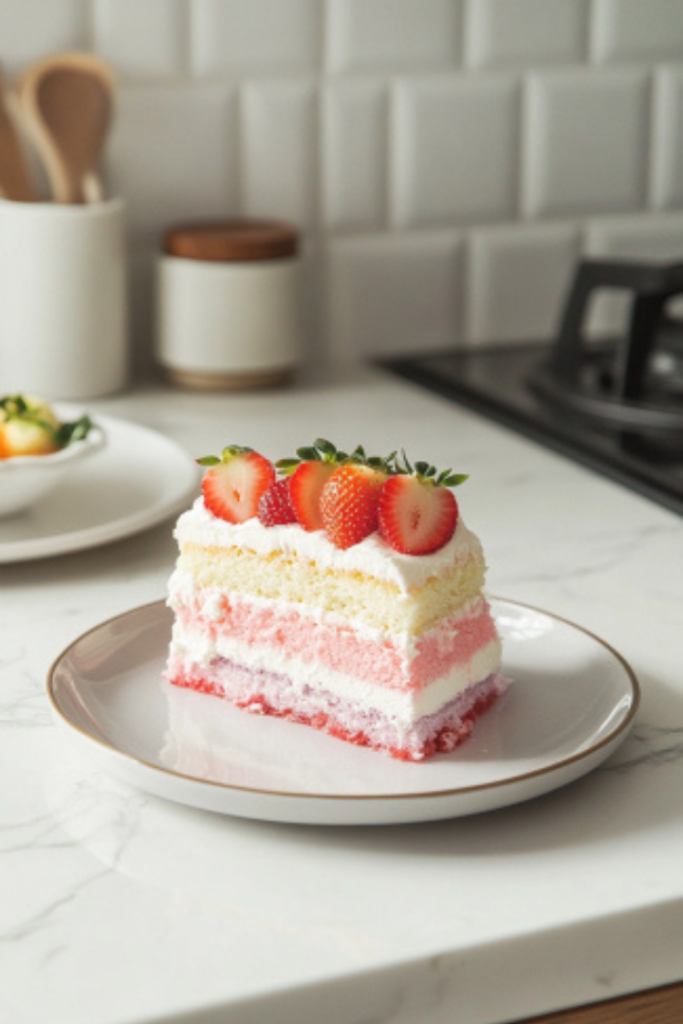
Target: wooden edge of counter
654 1006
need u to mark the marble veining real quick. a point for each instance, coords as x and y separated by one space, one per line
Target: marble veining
648 746
119 908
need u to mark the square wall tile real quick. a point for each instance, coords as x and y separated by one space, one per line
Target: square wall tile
376 35
279 125
518 280
173 155
586 142
141 38
503 33
30 29
394 295
354 156
454 151
667 148
637 30
656 238
255 37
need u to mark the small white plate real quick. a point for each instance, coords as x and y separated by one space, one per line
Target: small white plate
572 703
139 479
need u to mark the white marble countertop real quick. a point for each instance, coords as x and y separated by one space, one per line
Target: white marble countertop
117 907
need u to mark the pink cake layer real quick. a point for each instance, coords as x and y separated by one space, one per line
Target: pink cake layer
269 693
339 647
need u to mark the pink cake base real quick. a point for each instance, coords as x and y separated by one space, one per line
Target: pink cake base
269 693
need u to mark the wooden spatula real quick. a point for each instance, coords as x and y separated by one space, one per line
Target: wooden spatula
66 102
15 182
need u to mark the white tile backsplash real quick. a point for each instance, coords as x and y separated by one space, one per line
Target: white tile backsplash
30 29
394 294
173 155
505 33
354 156
143 40
518 278
446 160
667 147
393 35
637 30
586 142
255 37
455 151
279 131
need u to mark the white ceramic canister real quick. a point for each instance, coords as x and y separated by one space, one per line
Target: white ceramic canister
229 304
63 310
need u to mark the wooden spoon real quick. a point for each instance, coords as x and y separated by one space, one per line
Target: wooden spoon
15 182
66 101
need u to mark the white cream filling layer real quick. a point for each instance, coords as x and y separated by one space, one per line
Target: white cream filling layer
401 708
372 556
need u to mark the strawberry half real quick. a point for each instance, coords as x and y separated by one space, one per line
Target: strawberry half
305 487
233 485
348 504
416 516
275 506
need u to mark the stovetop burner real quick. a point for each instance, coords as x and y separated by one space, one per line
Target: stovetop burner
616 406
637 383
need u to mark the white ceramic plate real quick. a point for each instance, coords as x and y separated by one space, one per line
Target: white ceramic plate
572 702
139 479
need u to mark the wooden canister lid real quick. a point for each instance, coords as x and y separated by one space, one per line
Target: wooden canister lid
232 240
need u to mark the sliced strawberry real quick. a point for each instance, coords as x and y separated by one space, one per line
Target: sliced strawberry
275 507
416 516
233 485
305 486
348 504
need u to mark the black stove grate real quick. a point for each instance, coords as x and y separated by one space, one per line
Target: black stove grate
496 383
617 406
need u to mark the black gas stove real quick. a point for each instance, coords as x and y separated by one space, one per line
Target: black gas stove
615 405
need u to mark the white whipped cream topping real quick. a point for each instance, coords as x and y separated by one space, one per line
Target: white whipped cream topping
373 556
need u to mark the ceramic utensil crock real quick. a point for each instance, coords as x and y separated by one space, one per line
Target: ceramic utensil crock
63 320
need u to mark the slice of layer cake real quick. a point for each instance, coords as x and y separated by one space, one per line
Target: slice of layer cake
286 612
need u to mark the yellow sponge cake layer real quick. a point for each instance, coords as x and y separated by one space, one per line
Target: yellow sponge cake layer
349 595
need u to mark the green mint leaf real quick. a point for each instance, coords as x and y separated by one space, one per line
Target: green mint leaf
69 433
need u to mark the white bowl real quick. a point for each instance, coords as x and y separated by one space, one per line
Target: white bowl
27 479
